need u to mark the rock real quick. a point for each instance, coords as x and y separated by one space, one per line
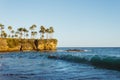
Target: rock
75 50
53 57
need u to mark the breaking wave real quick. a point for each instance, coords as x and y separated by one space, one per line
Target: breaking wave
95 60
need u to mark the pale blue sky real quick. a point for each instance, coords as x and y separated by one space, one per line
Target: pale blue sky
78 23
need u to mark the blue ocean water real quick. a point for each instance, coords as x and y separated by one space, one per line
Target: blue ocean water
94 64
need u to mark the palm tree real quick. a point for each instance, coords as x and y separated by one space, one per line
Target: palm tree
13 36
27 35
51 31
1 28
16 34
42 31
33 34
25 31
12 33
20 30
3 34
10 28
47 32
32 28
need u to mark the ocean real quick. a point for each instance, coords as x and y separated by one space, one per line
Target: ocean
94 63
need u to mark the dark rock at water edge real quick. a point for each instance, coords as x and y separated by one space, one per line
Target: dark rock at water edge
75 50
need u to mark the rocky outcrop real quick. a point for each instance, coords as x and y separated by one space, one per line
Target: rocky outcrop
10 44
47 44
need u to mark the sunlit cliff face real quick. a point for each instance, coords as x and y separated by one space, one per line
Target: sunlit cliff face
27 44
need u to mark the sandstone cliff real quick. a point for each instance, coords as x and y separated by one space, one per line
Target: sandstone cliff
10 44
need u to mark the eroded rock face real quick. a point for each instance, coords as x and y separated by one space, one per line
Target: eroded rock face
28 44
10 44
47 44
3 45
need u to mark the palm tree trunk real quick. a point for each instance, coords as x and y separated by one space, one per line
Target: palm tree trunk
1 33
24 35
51 35
46 35
42 35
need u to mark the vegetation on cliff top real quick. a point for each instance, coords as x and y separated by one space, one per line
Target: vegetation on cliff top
23 33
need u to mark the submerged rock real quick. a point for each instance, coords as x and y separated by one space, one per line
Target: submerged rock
75 50
53 57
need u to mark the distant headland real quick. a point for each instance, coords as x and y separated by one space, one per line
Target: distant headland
20 40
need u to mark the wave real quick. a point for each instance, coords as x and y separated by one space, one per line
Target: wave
107 62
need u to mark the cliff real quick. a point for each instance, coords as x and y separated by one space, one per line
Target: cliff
12 44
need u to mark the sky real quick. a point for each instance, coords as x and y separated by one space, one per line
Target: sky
77 23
